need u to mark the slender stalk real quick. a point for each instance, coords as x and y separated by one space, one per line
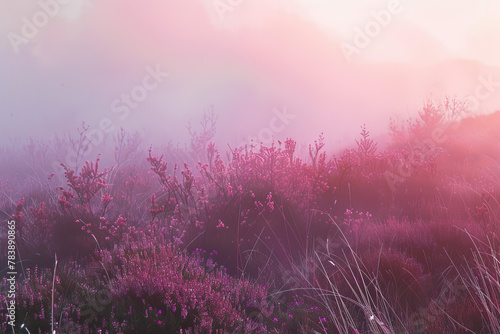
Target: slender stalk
53 294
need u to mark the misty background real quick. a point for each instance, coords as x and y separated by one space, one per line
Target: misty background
246 59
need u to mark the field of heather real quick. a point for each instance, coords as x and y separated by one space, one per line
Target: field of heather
259 240
250 167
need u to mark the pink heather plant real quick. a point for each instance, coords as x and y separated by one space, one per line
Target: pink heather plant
358 241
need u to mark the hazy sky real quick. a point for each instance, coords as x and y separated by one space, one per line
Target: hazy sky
250 59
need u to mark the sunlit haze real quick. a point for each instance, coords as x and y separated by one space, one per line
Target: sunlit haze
246 60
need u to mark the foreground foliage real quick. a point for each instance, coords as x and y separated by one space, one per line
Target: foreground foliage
265 240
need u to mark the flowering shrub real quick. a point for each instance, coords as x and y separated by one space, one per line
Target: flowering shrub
262 240
158 290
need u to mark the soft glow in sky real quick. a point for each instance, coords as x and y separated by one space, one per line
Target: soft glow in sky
456 26
246 58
